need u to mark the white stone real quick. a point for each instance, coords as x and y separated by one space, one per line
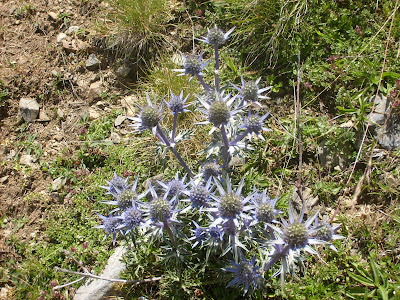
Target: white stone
60 37
119 120
29 109
57 183
72 29
115 138
93 114
97 289
27 160
129 104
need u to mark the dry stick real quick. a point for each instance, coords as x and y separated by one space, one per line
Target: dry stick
358 189
90 275
299 139
86 274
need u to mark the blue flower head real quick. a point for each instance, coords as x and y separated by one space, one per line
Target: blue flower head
199 235
255 124
216 36
116 185
174 187
211 169
250 92
148 118
177 103
126 198
132 217
265 207
246 273
160 210
327 232
230 205
192 65
111 226
297 234
219 111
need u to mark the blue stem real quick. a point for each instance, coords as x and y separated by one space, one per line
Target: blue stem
205 86
168 143
170 234
174 127
226 145
277 256
239 138
216 73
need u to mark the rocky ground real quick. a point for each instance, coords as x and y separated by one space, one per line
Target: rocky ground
53 74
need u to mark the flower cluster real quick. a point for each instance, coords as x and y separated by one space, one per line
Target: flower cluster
206 210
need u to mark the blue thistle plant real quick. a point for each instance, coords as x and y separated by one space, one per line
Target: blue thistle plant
193 65
211 169
230 205
175 187
246 274
199 194
177 104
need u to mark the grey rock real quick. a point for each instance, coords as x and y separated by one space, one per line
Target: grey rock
4 293
129 104
380 112
119 120
123 71
115 138
29 109
58 137
27 160
98 289
4 179
60 37
92 63
307 196
387 135
58 183
94 93
60 113
53 16
11 154
93 114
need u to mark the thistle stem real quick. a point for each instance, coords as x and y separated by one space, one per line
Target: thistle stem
239 138
277 257
216 73
205 86
174 127
170 234
226 145
168 143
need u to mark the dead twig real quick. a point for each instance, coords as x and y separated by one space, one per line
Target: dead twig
86 274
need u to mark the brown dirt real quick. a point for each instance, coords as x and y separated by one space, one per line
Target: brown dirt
33 64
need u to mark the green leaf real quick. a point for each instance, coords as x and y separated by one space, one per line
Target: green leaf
361 279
